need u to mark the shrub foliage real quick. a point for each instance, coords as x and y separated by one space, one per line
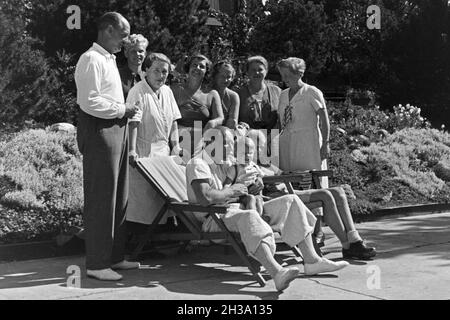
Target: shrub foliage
41 175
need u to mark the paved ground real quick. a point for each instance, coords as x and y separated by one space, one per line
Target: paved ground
413 263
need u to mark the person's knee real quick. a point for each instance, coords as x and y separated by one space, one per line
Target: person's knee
338 192
325 196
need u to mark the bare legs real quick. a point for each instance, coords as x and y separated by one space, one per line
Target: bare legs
313 264
336 210
309 253
281 276
264 255
342 206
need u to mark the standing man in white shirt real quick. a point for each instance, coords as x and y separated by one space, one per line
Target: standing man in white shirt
103 141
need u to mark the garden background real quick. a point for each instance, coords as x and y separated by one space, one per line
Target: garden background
388 92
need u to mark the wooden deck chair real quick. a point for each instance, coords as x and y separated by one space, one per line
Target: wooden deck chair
169 180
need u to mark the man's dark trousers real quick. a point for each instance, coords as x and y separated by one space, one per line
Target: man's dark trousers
104 145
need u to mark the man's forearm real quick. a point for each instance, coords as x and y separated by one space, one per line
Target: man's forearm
219 196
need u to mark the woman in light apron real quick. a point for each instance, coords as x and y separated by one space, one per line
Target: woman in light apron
153 132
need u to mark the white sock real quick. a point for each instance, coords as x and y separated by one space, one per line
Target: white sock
353 236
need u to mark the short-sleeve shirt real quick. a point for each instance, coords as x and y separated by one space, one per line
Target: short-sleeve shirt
307 103
199 169
157 116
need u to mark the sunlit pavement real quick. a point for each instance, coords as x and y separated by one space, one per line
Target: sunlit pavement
413 263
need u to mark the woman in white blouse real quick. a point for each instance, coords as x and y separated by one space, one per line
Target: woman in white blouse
153 132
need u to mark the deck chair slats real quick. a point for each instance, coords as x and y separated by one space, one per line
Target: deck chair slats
167 176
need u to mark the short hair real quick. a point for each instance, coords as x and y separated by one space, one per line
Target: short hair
219 65
135 40
113 19
152 57
200 57
294 65
258 59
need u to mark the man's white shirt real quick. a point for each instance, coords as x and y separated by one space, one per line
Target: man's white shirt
99 88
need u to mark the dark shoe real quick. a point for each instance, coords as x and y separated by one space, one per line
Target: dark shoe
359 251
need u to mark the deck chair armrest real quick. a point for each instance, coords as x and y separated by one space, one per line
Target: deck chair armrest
184 206
322 173
317 174
286 178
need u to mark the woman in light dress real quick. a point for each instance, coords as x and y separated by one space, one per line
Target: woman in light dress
304 123
153 132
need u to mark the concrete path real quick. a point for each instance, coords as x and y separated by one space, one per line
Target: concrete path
413 263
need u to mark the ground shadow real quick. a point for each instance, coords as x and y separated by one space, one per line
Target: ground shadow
423 235
204 271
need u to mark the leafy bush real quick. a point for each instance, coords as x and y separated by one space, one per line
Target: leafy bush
24 199
370 121
58 101
294 28
171 26
23 69
399 161
41 184
413 155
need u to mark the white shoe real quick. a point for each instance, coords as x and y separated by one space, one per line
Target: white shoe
284 278
126 265
324 266
104 275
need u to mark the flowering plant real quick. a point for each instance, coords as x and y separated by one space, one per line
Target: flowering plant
408 117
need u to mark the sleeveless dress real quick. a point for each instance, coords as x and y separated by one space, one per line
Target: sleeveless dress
194 117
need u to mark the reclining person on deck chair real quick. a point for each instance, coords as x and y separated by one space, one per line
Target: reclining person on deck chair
336 210
205 175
